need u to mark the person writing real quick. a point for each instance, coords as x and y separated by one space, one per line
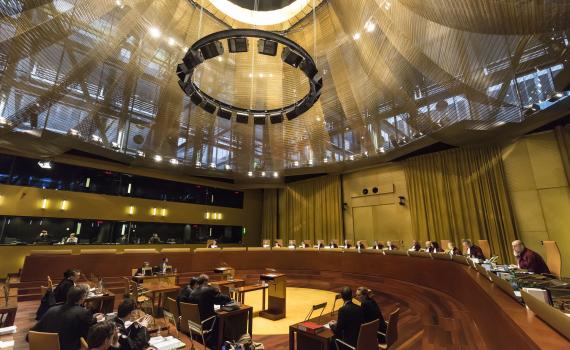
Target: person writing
528 259
103 336
350 318
133 333
472 250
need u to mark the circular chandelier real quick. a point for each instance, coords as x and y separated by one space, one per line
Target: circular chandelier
210 46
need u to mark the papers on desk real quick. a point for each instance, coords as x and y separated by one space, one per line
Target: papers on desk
166 343
517 293
8 330
326 325
540 294
6 344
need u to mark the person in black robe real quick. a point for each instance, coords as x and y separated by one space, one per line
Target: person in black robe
371 311
350 318
70 277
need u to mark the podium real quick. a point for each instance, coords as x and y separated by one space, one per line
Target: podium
225 271
276 295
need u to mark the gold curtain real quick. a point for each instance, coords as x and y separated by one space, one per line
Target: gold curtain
460 194
269 219
311 210
563 137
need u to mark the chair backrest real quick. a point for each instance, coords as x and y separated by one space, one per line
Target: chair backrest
368 337
84 345
188 312
392 328
553 259
316 307
485 247
363 242
336 297
171 320
444 243
43 341
308 242
209 242
172 306
280 241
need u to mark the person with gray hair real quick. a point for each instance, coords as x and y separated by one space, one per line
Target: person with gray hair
473 251
528 259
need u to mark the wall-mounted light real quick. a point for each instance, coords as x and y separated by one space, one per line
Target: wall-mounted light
44 203
163 212
402 200
63 205
153 211
213 216
131 210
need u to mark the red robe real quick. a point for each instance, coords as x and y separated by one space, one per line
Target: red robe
531 261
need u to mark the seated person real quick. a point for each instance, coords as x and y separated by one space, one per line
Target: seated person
528 259
133 334
44 237
266 243
69 320
206 296
347 244
70 277
303 245
320 244
473 251
377 245
350 318
103 336
436 247
429 248
278 244
141 270
415 247
360 245
154 239
213 244
72 239
371 310
164 265
333 244
391 246
452 249
186 291
292 243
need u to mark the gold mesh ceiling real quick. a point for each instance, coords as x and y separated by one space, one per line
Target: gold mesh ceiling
102 73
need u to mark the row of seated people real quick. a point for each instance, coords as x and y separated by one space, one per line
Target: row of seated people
72 321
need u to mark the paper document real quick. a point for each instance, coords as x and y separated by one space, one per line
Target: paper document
8 330
6 344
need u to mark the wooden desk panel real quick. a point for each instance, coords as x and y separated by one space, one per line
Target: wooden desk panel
502 321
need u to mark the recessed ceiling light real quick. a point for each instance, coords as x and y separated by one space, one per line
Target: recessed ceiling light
356 36
158 158
171 41
174 161
44 164
296 163
275 174
250 173
263 173
212 165
154 32
369 26
228 167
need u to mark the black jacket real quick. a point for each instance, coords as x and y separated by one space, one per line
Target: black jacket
70 322
134 337
372 312
60 292
347 327
184 295
206 297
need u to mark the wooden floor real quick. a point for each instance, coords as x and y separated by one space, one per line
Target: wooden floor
27 309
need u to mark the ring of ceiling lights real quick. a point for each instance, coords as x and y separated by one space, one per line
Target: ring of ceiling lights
210 46
260 18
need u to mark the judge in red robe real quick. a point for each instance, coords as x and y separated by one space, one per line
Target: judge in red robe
528 259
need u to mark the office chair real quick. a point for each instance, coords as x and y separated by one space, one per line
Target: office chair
367 338
314 308
43 341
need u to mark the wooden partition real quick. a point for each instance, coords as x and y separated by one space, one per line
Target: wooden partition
501 321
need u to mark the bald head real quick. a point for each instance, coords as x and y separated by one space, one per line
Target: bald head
518 247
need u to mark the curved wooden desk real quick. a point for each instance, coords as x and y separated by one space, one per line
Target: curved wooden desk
436 290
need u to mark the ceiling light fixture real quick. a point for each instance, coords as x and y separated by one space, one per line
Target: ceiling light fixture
210 46
158 158
154 32
45 164
174 161
356 36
